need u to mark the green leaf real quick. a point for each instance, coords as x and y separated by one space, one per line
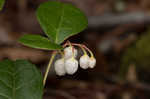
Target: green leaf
2 4
37 41
20 80
60 21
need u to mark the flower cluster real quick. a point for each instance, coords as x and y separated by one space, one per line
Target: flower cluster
68 64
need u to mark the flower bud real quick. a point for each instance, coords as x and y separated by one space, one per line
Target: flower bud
71 65
84 61
68 52
60 67
92 62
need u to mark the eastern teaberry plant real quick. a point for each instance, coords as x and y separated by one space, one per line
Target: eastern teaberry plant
20 79
60 21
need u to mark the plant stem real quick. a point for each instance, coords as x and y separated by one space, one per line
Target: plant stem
48 67
88 50
81 46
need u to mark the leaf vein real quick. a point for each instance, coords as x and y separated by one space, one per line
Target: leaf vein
6 72
59 25
21 70
30 82
5 84
3 95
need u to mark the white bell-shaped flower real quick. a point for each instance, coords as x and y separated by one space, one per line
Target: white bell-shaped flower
60 67
71 65
84 61
68 52
92 62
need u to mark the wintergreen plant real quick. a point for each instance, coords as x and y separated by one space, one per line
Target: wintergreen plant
20 79
59 21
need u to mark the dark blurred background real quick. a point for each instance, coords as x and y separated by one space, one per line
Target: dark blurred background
118 35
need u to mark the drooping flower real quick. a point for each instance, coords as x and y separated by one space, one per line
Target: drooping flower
92 62
71 65
69 52
59 67
84 61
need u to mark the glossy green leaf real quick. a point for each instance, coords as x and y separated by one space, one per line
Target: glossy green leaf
2 4
60 21
37 41
20 80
